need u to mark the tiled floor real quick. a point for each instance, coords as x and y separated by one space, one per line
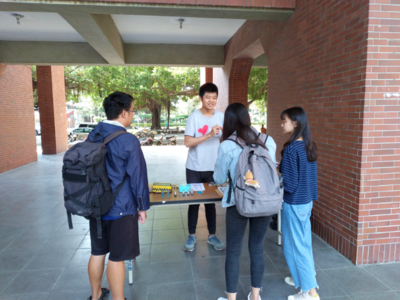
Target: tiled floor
40 258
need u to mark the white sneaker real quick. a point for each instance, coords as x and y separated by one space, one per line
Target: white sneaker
220 298
248 297
303 295
289 281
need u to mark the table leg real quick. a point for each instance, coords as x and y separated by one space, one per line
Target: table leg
279 229
130 274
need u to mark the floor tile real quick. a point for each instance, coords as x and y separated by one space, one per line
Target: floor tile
50 258
172 291
392 295
387 273
14 261
162 272
6 278
144 253
167 252
336 260
356 281
145 237
74 279
327 287
65 242
168 236
279 261
69 295
37 281
209 268
80 258
215 288
30 296
164 224
167 214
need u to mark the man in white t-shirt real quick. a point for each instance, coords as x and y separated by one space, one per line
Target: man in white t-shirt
202 137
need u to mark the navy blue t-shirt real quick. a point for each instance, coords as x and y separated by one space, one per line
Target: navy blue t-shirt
299 175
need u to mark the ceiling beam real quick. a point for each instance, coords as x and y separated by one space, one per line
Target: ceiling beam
260 62
266 14
67 53
101 33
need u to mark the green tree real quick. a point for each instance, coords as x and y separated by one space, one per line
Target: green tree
151 87
258 87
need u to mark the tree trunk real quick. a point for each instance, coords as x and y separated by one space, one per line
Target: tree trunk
155 110
169 112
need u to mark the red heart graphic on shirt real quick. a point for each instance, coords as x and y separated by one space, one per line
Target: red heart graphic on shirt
203 130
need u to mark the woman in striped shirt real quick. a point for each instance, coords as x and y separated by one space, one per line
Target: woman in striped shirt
299 169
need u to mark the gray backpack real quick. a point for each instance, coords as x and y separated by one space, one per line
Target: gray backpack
263 195
87 190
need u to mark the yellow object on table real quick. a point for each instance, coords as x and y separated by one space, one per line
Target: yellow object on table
158 187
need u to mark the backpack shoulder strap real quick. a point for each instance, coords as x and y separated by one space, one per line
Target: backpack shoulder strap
261 137
113 136
235 139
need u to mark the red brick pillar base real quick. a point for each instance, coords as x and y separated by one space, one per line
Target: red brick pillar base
17 120
209 74
53 118
239 80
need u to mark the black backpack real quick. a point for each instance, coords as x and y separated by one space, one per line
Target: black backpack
87 190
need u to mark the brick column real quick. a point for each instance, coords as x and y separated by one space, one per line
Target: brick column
378 236
239 80
209 74
53 120
17 120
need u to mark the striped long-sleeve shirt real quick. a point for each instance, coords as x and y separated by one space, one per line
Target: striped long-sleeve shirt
299 175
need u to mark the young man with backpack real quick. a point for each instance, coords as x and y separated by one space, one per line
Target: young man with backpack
253 194
117 232
202 137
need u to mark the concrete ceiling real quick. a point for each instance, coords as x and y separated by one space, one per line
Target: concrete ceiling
166 30
123 34
37 26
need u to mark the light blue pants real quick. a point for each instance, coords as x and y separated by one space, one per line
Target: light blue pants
297 243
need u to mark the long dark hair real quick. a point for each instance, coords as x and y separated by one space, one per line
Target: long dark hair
237 119
302 130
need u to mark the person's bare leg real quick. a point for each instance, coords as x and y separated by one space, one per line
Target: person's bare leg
95 270
255 293
312 292
231 296
116 278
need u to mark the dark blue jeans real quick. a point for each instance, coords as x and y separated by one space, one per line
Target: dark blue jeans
235 229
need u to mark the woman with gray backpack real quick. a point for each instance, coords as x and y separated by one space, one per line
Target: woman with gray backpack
247 158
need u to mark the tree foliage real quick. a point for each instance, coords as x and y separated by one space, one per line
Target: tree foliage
151 87
258 87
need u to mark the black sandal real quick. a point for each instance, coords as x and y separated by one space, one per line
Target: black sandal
104 293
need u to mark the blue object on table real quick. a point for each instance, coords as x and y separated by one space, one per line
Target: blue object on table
167 193
184 188
199 192
162 193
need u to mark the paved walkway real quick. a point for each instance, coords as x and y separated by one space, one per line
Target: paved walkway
40 258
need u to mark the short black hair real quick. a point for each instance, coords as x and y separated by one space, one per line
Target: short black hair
115 103
208 87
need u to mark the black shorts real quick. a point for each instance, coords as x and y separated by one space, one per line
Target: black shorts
120 237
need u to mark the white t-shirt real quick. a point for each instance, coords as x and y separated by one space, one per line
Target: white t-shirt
202 158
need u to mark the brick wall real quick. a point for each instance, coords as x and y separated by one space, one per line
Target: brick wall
209 74
333 59
239 80
53 119
232 3
379 222
17 120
